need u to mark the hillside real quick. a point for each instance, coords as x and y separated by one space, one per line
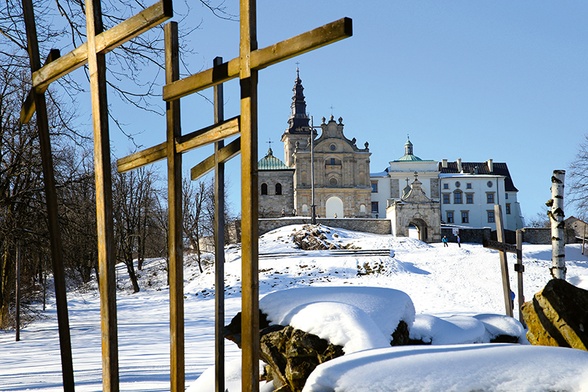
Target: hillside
440 281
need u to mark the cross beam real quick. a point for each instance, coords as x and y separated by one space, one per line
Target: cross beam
185 143
261 58
105 42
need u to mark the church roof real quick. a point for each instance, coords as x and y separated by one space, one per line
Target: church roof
408 157
499 168
270 162
299 120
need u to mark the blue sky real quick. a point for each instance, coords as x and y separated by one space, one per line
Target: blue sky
465 79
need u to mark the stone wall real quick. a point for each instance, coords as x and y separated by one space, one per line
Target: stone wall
531 235
474 236
541 235
367 225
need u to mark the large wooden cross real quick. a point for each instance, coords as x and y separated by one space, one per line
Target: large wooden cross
503 248
245 67
92 53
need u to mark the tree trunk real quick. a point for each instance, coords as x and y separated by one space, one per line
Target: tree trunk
556 215
7 278
132 275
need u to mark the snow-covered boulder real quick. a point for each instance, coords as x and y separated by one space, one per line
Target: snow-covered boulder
335 313
322 323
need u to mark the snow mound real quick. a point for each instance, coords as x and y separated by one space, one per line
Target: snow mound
354 317
480 367
459 329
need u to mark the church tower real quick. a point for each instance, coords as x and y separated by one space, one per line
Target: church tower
298 132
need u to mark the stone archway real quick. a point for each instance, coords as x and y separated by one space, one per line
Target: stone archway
334 207
421 228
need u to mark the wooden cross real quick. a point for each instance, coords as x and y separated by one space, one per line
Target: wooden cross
245 67
503 248
93 53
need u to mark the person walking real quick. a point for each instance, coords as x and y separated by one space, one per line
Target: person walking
444 240
458 241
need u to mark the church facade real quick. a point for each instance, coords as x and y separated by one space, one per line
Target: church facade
329 171
326 171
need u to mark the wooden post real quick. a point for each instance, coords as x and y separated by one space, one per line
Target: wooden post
556 217
104 219
503 261
249 200
17 292
51 200
175 216
584 239
520 268
219 241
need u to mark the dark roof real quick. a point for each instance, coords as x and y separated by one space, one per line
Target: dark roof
500 169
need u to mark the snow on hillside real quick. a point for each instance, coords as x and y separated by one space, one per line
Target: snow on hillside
444 283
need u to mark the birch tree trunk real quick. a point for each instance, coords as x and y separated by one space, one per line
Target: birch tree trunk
556 216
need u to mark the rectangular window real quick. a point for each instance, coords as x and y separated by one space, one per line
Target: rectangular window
507 208
450 217
374 186
457 198
375 207
490 216
446 198
465 217
469 185
506 195
445 186
469 198
490 197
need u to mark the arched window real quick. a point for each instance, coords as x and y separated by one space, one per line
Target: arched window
278 189
264 189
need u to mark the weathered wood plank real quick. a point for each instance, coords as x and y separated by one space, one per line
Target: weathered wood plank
249 201
28 107
502 246
104 216
105 42
186 142
261 58
224 154
219 242
175 215
503 261
38 103
209 135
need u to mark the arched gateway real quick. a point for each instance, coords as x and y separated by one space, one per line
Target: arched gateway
416 210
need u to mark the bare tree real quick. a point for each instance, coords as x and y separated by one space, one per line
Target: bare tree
134 196
577 190
196 227
20 187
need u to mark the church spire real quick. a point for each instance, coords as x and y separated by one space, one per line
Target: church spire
298 118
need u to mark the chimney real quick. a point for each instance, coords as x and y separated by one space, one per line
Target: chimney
459 167
444 163
490 166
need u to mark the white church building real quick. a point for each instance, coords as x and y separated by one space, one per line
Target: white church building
465 191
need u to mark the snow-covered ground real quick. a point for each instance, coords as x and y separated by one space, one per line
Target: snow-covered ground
446 286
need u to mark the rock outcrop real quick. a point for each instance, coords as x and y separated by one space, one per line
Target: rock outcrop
558 316
291 355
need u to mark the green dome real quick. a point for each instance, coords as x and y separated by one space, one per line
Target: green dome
270 162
